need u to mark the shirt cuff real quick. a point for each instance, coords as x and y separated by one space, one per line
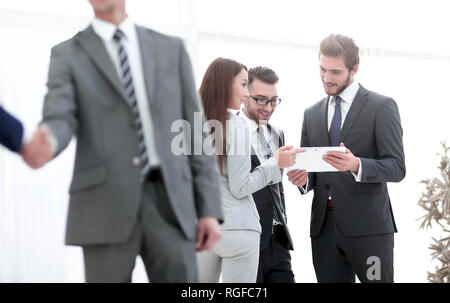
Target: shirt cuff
304 189
359 175
27 135
278 177
53 140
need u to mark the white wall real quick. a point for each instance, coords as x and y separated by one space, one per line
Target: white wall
405 55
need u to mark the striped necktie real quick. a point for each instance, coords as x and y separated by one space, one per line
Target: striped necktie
127 82
265 149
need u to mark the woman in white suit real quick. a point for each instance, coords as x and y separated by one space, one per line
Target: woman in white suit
224 88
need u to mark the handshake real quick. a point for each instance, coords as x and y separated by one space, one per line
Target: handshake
38 151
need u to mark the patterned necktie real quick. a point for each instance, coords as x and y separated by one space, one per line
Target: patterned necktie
127 81
265 149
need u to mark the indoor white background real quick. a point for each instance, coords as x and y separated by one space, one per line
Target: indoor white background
405 54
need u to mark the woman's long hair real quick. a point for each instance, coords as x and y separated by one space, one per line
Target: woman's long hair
216 91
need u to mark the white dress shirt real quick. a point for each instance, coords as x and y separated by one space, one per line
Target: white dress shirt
105 31
347 96
253 126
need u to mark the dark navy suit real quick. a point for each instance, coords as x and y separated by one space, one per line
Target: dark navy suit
11 131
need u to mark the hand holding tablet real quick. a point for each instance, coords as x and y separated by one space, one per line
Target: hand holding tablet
312 160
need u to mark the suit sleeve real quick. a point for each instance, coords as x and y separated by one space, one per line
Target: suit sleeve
304 142
11 131
241 181
390 165
204 167
59 112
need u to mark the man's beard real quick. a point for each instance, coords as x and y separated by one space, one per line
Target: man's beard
343 87
253 114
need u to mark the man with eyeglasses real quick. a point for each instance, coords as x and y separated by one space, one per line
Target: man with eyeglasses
275 259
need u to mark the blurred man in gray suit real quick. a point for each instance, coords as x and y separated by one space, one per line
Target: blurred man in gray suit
118 87
352 224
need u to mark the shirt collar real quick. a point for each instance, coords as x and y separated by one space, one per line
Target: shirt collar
349 93
106 29
251 123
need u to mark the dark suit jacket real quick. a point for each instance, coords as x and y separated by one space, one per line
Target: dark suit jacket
11 131
371 131
264 199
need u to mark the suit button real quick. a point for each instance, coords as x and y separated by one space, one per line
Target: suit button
136 161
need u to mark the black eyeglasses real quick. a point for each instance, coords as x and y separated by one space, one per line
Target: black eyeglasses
264 101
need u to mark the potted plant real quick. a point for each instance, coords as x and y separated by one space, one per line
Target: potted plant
435 200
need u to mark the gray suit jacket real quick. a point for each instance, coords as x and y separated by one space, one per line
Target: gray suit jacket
372 131
86 98
238 183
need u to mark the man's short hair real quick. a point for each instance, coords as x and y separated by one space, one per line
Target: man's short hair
263 74
340 46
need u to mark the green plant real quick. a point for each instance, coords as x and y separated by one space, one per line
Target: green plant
436 201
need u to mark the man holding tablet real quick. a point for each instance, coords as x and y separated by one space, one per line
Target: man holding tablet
352 224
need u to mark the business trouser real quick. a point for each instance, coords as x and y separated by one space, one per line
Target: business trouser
275 260
235 255
337 257
167 254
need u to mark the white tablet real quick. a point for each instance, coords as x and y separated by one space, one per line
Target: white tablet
311 160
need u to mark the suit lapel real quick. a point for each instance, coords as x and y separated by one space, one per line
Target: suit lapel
94 47
147 50
274 188
255 160
353 113
323 123
274 137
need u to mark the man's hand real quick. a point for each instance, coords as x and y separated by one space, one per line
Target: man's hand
343 162
208 233
298 177
286 155
38 151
